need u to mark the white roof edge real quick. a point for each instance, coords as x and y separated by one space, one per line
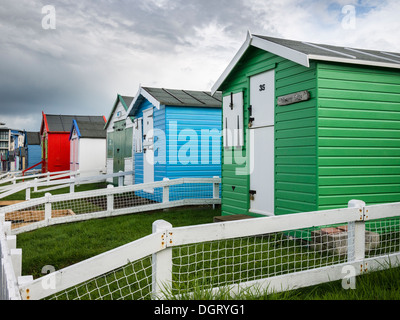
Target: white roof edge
266 45
354 61
145 94
233 63
293 55
282 51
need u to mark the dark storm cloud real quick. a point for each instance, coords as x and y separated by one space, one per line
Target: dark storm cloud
68 69
104 47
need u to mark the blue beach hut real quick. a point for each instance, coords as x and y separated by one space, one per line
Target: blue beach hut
177 134
33 149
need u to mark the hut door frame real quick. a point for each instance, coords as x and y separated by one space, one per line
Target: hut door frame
148 147
119 151
262 147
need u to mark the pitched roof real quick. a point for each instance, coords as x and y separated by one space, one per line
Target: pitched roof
33 138
90 129
63 123
173 97
340 54
125 101
303 52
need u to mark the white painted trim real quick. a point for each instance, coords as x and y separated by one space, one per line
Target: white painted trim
151 99
142 92
282 51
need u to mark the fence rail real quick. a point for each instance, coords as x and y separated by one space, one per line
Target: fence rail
272 254
54 181
66 208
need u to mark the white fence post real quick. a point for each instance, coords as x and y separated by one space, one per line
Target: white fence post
110 200
28 191
162 260
121 180
47 207
12 241
215 191
72 185
35 181
356 234
165 192
16 259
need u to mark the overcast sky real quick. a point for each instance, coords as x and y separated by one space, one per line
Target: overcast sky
100 48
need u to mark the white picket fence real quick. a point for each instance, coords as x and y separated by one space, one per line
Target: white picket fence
67 208
272 254
52 181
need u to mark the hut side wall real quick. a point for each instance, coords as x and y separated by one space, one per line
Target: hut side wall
358 134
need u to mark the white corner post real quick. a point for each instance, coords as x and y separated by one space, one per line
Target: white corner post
162 260
166 192
110 199
28 191
16 259
35 182
356 233
72 185
47 207
121 180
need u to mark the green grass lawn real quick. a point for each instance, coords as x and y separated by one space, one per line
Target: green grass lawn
64 245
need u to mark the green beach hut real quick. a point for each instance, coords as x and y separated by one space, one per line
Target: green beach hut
119 129
308 127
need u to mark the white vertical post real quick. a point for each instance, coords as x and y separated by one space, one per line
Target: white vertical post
165 192
16 259
120 180
162 261
7 228
28 191
356 234
48 176
215 191
72 185
11 241
35 184
47 207
110 200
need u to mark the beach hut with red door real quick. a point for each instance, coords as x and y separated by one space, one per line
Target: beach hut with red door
55 133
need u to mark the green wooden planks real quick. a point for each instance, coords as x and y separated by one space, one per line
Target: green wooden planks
295 137
358 135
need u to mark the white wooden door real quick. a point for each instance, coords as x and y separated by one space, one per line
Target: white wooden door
262 148
148 146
